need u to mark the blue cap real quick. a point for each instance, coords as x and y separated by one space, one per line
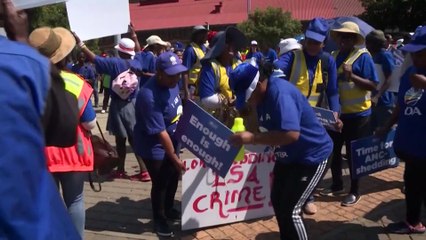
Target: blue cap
170 63
317 29
418 41
243 80
178 46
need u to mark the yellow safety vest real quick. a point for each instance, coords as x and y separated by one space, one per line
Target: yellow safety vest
194 72
352 98
222 79
300 77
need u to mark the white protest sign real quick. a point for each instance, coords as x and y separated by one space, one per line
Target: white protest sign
244 194
25 4
394 77
91 19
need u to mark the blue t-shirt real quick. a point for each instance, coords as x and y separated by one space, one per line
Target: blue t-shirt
147 61
285 63
284 108
86 71
189 57
270 56
363 67
387 61
89 113
207 84
31 206
410 136
157 109
113 66
257 55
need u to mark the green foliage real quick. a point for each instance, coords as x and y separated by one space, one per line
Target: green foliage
404 15
268 26
55 16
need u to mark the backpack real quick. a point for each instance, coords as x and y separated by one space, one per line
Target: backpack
125 83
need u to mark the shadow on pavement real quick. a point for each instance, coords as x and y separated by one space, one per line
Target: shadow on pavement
268 236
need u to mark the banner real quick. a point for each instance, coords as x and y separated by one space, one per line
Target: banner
207 138
98 18
373 154
25 4
326 118
244 194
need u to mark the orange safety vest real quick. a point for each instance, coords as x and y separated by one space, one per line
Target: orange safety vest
80 156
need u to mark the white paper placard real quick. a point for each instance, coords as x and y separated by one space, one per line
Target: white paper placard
91 19
394 78
208 199
25 4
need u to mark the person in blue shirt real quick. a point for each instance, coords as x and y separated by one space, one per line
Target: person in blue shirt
86 70
158 108
154 47
357 79
268 54
383 100
314 73
30 207
254 52
192 56
300 143
409 143
121 117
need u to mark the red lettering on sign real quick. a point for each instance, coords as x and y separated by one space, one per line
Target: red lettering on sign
214 198
196 204
217 181
252 177
256 194
237 172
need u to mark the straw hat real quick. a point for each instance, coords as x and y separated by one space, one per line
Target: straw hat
348 27
54 43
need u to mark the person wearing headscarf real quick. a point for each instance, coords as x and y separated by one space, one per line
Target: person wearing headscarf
121 116
213 88
30 206
158 109
300 143
383 100
69 165
356 79
192 56
409 142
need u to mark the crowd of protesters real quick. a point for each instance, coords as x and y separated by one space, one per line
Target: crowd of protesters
49 113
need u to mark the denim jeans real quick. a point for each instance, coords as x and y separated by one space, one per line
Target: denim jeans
72 191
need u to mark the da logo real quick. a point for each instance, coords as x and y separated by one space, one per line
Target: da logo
412 96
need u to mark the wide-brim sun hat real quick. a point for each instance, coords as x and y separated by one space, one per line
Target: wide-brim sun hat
218 43
287 45
127 46
54 43
348 27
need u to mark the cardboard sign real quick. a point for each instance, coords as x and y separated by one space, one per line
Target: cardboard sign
244 194
326 118
25 4
373 154
207 138
98 18
394 78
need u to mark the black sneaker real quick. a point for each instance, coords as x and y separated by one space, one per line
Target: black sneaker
162 229
332 191
350 200
173 214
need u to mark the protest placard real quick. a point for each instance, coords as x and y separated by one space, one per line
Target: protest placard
326 118
25 4
207 138
394 78
98 18
373 154
244 194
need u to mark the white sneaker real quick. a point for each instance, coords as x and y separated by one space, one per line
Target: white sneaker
103 111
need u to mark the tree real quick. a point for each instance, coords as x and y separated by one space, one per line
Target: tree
403 15
268 26
55 16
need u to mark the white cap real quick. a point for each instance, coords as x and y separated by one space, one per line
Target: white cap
254 42
154 39
126 45
287 45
